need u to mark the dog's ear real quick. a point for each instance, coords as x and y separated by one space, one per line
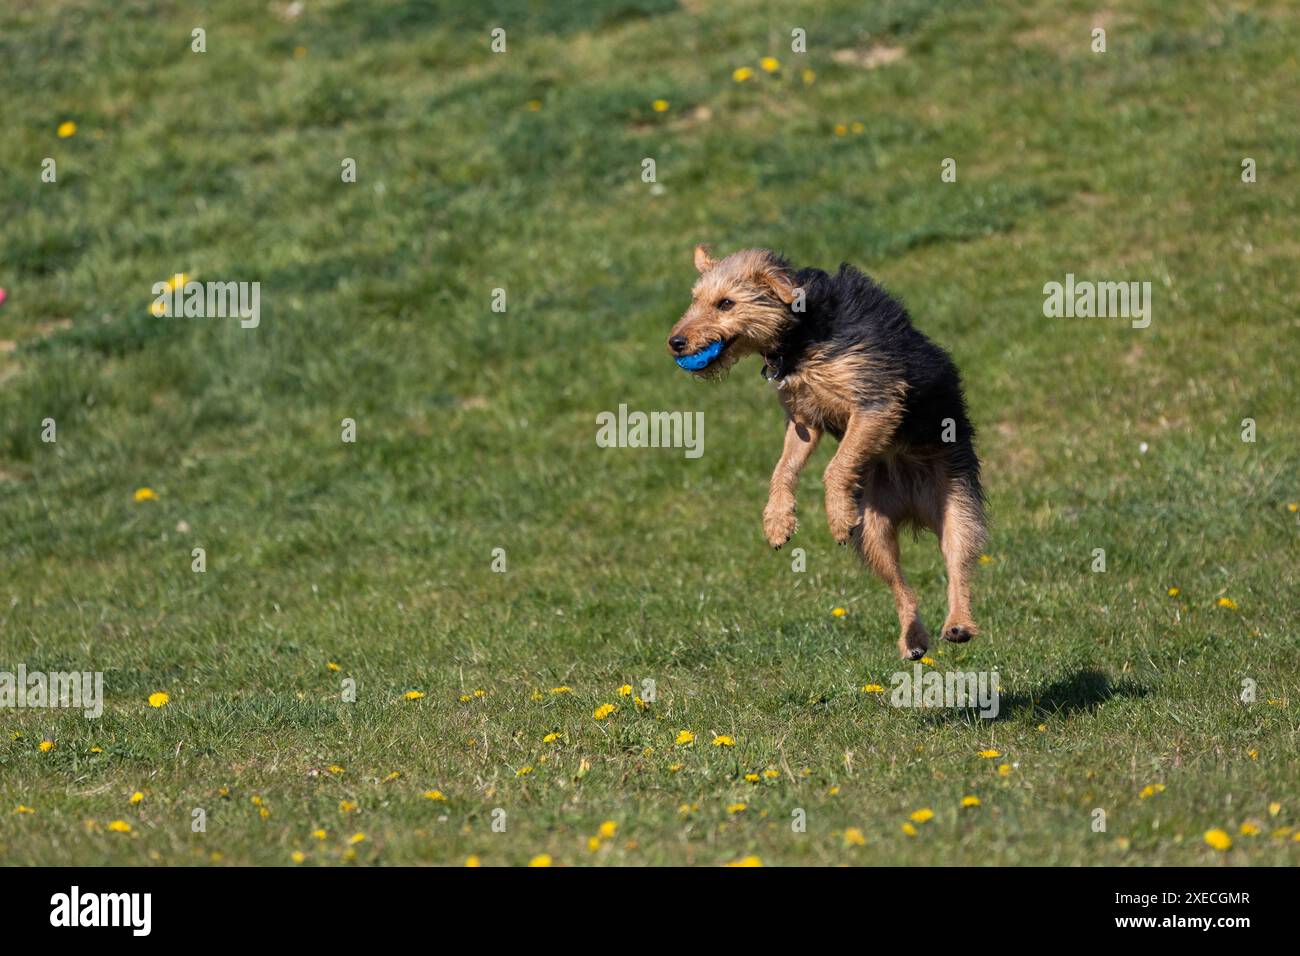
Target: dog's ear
777 278
703 261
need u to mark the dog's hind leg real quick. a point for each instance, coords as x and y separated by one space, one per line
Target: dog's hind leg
961 537
877 535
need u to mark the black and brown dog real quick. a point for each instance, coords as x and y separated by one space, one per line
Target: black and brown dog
846 360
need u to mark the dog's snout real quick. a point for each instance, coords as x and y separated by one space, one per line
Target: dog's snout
677 343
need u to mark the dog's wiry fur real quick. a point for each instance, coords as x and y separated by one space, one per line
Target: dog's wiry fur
850 363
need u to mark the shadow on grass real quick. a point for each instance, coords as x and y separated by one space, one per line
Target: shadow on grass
1084 691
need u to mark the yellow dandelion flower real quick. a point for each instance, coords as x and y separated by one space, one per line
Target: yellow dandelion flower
1004 770
1151 790
736 808
23 808
1218 839
565 689
989 754
67 128
319 834
659 106
523 771
357 838
752 777
771 773
1042 728
841 129
335 768
922 815
480 693
330 665
542 859
473 861
159 699
928 660
536 696
741 74
593 843
909 829
1228 602
856 127
674 767
603 711
1173 592
685 737
625 690
1274 808
724 740
809 77
746 861
986 559
770 64
347 806
1252 753
970 801
838 612
834 791
873 689
550 738
608 829
434 795
349 855
297 856
465 698
45 746
392 776
263 812
854 837
144 494
1249 829
119 826
1292 507
413 694
136 797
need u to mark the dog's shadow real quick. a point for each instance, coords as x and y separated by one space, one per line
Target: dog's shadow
1084 691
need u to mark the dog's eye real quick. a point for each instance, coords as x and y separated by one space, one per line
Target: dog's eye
725 304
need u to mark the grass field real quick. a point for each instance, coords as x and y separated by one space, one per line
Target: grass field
475 430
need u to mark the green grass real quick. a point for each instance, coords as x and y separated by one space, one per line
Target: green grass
476 430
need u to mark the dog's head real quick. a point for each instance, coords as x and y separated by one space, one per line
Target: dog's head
740 305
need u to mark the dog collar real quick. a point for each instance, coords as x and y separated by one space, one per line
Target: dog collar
773 368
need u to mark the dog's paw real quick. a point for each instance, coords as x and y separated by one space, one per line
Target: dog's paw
959 632
779 525
842 518
913 642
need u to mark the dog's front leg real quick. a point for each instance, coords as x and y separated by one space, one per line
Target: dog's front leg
779 522
868 433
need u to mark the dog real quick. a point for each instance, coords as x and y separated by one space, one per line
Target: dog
846 360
